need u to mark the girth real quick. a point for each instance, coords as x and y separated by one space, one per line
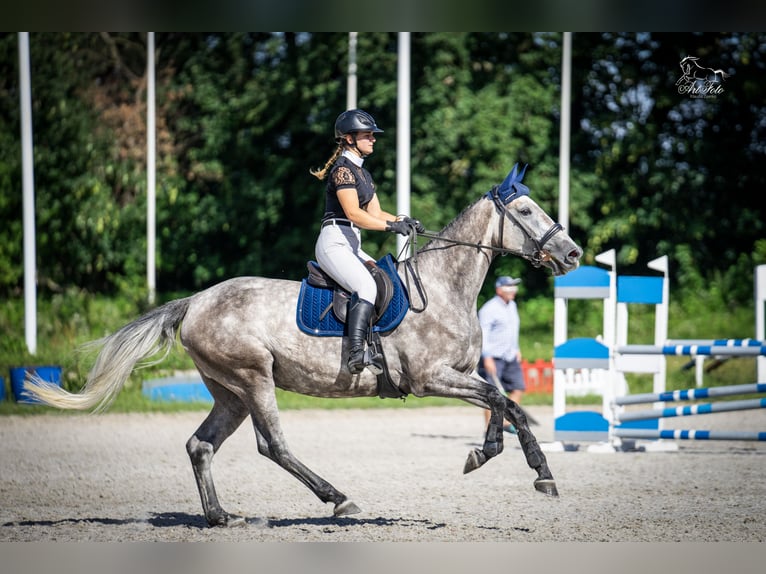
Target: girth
340 298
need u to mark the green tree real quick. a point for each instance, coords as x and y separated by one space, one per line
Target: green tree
675 174
242 117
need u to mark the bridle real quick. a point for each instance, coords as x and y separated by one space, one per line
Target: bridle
536 255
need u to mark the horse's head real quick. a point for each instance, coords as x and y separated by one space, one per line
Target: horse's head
541 240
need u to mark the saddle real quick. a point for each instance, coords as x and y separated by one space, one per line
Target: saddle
340 297
323 305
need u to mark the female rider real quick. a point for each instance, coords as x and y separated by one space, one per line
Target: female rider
351 204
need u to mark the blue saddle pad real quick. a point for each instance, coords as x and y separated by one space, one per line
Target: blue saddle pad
313 302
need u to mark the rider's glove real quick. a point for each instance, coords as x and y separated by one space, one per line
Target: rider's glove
400 227
419 227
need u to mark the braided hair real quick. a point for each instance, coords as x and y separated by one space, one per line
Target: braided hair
320 174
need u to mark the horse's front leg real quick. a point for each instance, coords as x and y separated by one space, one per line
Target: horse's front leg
493 438
532 451
447 382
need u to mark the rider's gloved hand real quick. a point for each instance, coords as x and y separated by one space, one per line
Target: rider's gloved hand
400 227
419 227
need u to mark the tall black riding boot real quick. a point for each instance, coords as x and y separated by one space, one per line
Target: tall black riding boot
358 322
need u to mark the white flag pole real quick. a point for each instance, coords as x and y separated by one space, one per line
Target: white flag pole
403 134
28 191
151 195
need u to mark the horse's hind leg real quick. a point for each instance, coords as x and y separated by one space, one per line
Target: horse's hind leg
272 444
532 451
227 414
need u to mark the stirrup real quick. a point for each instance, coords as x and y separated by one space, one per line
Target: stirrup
373 363
359 363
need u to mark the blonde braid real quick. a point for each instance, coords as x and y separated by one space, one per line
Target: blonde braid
320 174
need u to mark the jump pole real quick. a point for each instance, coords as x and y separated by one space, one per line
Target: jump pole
691 394
648 434
690 410
718 342
691 350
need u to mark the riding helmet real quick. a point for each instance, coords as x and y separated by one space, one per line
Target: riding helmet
352 121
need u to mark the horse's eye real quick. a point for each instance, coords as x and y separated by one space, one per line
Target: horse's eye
525 211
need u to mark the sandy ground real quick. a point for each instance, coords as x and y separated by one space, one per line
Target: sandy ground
118 477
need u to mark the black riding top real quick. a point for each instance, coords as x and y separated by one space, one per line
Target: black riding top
345 174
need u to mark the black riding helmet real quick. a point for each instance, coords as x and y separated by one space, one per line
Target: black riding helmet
352 121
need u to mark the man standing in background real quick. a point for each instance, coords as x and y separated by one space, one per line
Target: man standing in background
500 353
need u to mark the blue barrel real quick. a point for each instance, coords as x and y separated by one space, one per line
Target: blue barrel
51 374
2 389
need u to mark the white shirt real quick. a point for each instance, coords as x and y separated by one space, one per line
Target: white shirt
500 329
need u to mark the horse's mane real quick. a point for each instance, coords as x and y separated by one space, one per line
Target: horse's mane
459 217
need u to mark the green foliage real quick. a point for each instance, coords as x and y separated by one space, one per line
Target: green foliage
242 117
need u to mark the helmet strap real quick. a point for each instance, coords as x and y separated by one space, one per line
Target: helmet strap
356 146
353 145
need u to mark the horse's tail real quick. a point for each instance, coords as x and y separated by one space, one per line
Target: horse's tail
144 337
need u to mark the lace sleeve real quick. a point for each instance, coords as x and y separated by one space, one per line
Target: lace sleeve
343 177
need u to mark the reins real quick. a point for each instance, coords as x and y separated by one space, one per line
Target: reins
535 258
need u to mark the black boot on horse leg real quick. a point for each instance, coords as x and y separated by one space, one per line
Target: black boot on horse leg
493 438
532 451
359 323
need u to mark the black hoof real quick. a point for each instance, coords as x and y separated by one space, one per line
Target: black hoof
546 486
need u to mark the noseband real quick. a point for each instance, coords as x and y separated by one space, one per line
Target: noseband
536 255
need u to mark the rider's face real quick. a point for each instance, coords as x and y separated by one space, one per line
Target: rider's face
365 142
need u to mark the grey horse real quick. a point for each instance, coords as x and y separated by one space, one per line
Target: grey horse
243 339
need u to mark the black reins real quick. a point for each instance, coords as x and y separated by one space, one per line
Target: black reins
535 257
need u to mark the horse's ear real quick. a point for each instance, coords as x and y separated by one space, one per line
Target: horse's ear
512 187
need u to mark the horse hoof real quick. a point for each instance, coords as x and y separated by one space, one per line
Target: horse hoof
228 521
547 486
235 521
475 459
346 507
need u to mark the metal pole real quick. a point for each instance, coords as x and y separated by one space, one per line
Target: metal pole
351 80
691 394
150 171
760 320
28 192
403 134
691 350
691 410
690 434
566 90
717 342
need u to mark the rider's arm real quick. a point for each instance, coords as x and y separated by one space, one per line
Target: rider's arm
374 218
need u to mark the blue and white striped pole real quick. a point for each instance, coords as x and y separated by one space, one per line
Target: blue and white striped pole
691 394
692 350
648 434
689 410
